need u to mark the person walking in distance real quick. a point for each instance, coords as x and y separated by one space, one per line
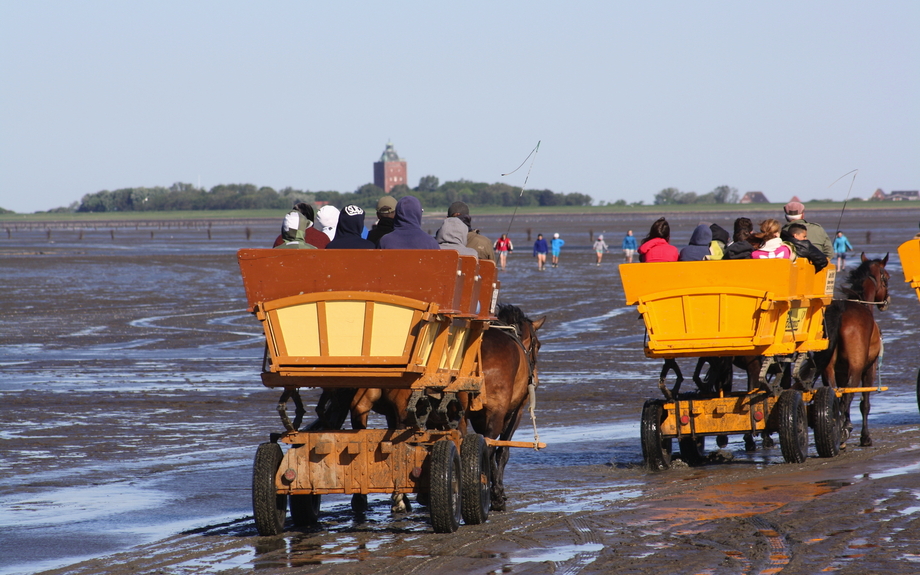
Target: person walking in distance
503 246
555 246
600 248
540 248
629 246
841 247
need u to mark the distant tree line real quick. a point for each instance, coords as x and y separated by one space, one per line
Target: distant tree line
720 195
430 192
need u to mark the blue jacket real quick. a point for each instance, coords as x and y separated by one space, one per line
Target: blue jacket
556 245
540 247
629 243
842 245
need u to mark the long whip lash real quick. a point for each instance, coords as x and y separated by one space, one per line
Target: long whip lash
534 154
855 173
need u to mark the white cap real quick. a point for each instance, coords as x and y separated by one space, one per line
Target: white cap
556 236
291 221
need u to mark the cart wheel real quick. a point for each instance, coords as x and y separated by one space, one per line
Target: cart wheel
825 409
445 487
475 479
693 451
655 451
268 507
793 426
305 509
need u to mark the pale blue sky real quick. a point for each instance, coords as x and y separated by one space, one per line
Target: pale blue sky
627 98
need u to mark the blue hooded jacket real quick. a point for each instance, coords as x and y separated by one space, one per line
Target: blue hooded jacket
348 231
407 231
698 249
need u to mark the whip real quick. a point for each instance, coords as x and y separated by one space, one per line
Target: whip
532 153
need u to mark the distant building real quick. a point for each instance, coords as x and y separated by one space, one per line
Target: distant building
754 198
390 171
898 196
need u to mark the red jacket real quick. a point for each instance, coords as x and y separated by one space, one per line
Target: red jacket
658 250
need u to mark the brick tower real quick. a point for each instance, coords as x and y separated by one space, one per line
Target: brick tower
390 171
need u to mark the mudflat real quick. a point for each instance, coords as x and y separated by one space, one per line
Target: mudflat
131 407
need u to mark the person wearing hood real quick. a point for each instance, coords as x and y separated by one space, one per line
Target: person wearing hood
407 231
327 218
349 229
600 248
698 250
292 232
307 211
474 239
452 236
720 240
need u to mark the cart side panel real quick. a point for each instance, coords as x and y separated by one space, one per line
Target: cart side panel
909 253
426 275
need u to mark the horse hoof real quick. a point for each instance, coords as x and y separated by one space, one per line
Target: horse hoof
865 442
749 444
400 504
768 442
498 506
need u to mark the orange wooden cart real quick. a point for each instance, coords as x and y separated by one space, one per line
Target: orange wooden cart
768 308
388 319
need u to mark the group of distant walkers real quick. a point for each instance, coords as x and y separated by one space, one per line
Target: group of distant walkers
798 238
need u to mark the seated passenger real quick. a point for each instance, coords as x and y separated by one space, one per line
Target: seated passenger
655 246
797 235
407 231
327 218
698 250
452 236
348 231
772 247
720 241
292 232
740 248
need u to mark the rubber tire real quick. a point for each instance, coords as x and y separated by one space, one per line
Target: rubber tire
825 411
792 423
656 452
268 507
445 487
475 479
692 451
305 509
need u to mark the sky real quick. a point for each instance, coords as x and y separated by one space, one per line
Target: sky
626 98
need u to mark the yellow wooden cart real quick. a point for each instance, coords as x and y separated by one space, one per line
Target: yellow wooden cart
909 254
389 319
768 308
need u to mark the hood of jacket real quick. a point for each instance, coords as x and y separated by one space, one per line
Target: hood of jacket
351 221
701 236
452 235
408 213
293 227
327 219
719 234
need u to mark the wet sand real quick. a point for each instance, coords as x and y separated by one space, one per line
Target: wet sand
130 408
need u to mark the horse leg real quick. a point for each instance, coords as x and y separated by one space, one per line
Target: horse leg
499 460
670 365
864 439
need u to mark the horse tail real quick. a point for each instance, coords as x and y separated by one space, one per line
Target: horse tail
832 315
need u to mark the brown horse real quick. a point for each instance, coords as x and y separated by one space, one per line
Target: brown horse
854 339
509 365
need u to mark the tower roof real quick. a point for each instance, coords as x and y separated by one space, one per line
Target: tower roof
389 155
